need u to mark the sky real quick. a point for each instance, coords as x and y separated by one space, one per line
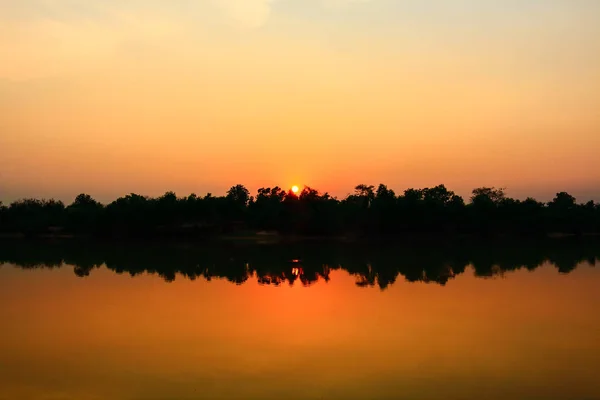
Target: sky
110 97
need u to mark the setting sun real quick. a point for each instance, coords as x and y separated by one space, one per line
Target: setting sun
295 189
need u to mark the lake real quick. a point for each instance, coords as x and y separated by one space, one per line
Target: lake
483 320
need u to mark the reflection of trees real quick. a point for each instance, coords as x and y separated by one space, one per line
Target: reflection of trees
300 263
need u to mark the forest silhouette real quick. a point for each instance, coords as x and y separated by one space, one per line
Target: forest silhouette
305 263
367 212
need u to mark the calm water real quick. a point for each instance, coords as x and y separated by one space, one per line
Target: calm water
313 321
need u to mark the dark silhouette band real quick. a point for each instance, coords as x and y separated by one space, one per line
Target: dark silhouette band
378 264
367 212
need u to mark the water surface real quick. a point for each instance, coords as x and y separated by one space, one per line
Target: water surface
299 322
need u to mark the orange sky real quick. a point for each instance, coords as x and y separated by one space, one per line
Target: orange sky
149 96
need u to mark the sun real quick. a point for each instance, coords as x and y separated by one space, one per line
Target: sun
295 189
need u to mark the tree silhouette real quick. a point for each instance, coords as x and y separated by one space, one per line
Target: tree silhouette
239 195
367 212
487 195
366 194
83 214
563 202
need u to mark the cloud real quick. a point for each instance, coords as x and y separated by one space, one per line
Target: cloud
49 38
255 13
246 13
342 3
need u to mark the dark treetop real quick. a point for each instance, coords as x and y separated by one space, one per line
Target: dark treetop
368 212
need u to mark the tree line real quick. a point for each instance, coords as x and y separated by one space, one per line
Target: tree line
368 211
380 264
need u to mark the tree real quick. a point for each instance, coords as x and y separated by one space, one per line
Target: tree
239 195
33 216
488 195
309 194
84 214
366 212
383 213
413 196
366 193
84 200
168 198
565 215
563 201
3 210
265 211
484 215
439 195
383 193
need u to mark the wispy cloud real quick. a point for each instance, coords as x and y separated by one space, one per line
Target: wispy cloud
255 13
247 13
53 37
342 3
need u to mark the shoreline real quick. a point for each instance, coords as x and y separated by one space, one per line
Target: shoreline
282 238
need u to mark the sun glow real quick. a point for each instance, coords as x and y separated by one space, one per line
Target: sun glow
295 189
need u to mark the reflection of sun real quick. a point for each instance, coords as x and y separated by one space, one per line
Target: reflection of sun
295 189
